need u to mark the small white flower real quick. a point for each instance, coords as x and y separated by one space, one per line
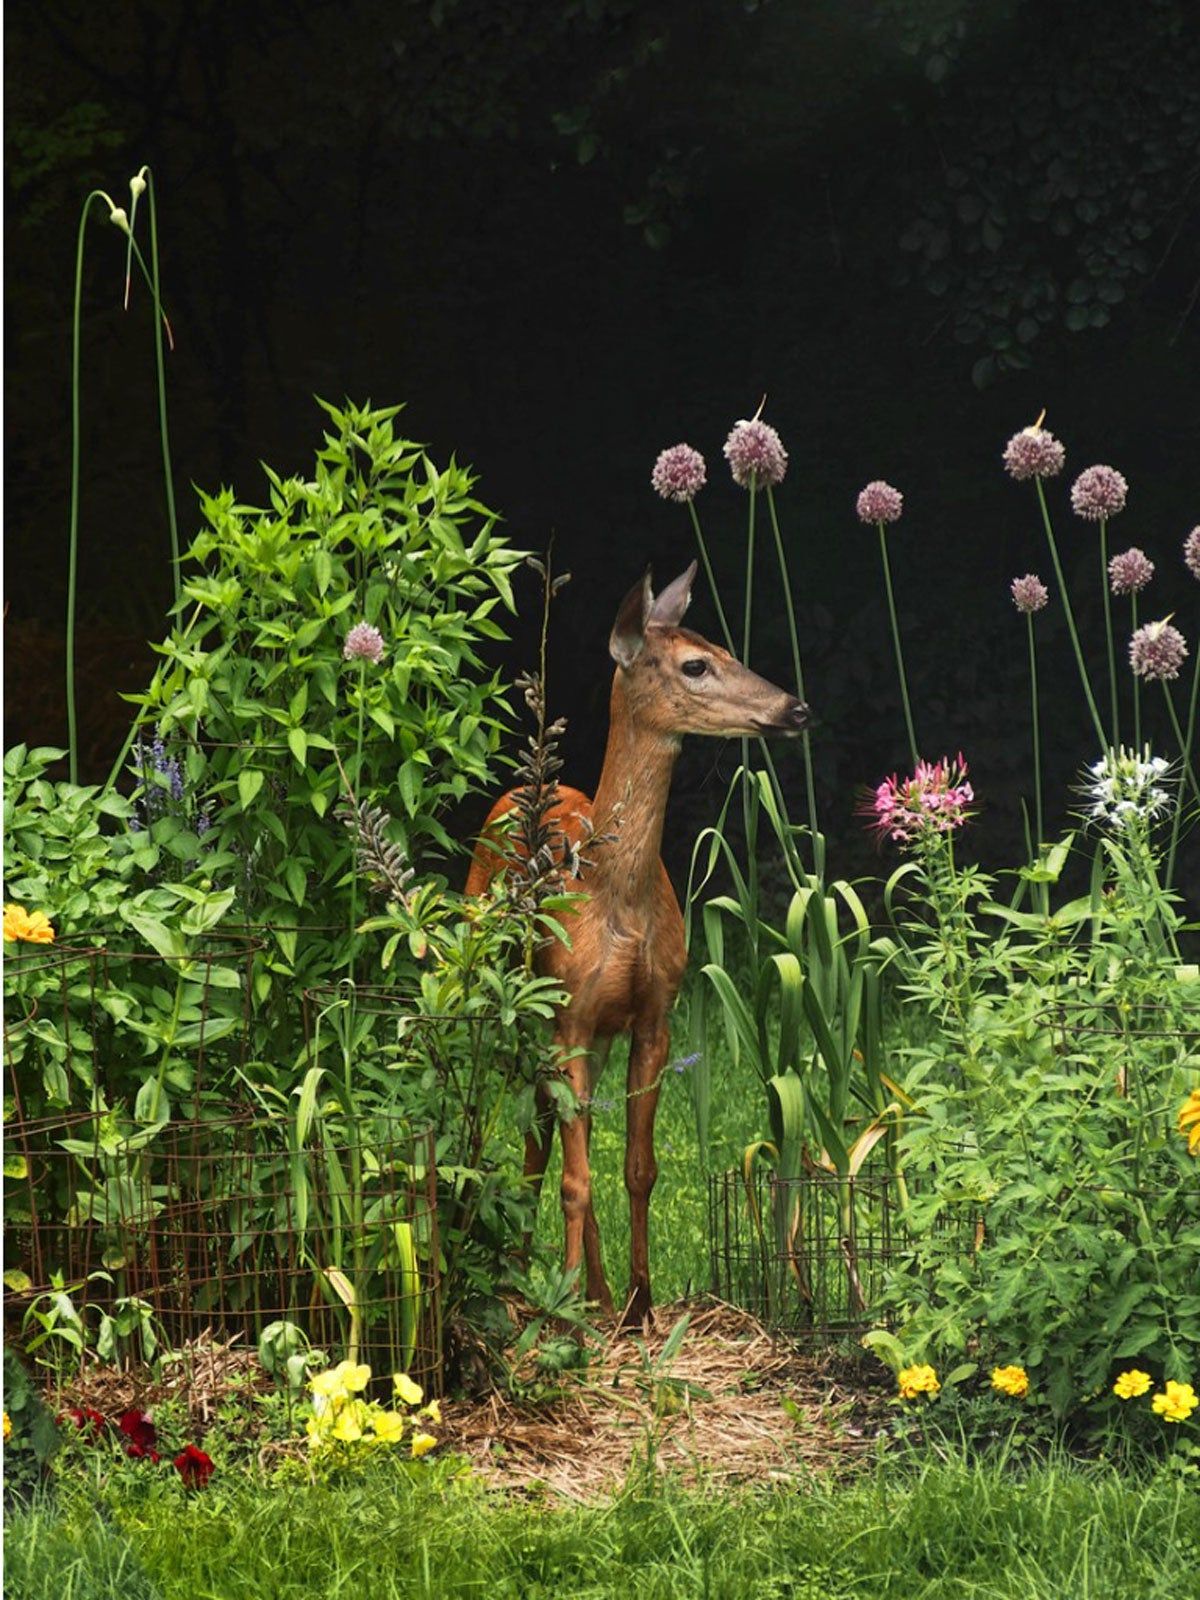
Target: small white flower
1126 785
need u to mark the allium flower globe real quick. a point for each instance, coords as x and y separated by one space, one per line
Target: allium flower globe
1029 594
1033 453
1098 493
1126 786
879 502
679 473
1130 571
1157 651
364 643
1191 552
755 455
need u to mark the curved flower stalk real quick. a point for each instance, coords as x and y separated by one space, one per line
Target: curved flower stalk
1098 494
880 504
1029 596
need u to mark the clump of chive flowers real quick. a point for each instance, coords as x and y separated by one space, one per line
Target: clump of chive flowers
1029 594
755 454
934 800
1157 650
1033 453
1191 552
1126 786
879 502
363 643
679 473
1130 571
1098 493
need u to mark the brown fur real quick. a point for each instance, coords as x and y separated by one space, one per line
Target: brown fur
627 958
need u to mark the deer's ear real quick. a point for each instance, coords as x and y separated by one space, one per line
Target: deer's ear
629 630
670 605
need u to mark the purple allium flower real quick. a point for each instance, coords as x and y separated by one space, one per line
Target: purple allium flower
1098 493
679 473
1130 572
364 643
1029 593
1034 453
879 502
1191 552
755 454
1157 651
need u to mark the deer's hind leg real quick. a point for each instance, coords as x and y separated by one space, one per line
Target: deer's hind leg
647 1061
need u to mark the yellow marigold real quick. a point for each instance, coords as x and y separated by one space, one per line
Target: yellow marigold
26 927
389 1426
1131 1384
422 1443
411 1393
1176 1403
7 1425
1011 1380
1189 1118
916 1381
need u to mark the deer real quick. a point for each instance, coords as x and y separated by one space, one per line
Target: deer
626 959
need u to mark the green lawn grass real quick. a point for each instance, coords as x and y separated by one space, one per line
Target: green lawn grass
944 1531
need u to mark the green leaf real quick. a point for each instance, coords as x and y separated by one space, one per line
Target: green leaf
298 744
250 781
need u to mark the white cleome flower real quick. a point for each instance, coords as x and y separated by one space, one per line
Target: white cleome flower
1127 785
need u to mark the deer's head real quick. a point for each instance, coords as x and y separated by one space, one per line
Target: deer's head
676 682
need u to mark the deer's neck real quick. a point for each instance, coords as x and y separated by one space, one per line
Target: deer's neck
630 804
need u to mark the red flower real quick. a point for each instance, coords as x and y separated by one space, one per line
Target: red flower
85 1419
193 1466
140 1431
137 1451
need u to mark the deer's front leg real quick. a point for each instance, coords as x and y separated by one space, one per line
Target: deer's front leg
647 1061
582 1235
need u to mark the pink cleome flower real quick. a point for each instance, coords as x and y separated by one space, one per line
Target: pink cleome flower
755 455
1098 493
1130 571
1033 453
1029 593
934 800
679 473
363 643
879 502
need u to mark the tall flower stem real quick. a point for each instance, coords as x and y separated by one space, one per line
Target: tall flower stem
1185 745
1137 683
1062 584
799 672
749 811
355 798
891 600
160 372
1037 737
1108 635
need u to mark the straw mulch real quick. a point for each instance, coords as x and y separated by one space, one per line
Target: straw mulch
740 1407
202 1372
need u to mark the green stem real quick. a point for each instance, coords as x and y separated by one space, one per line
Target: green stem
798 668
355 800
1108 635
1037 739
712 582
749 828
1137 683
1066 599
891 600
1185 745
160 371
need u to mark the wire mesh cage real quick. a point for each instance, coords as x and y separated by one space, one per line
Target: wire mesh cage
809 1255
225 1225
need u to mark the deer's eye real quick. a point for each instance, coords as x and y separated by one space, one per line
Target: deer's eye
695 668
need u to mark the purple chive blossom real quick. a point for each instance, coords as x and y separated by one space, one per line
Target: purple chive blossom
755 455
1033 453
1029 594
879 502
679 473
1191 552
1157 651
1130 572
364 643
1098 493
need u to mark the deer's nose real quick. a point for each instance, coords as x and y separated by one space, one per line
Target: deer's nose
798 716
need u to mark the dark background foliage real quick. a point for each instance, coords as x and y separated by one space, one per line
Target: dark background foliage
568 234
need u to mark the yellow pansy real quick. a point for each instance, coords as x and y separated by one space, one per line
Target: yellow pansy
1176 1402
1011 1380
916 1381
328 1385
434 1412
354 1378
349 1425
7 1426
1189 1119
26 927
1131 1384
411 1393
423 1443
389 1426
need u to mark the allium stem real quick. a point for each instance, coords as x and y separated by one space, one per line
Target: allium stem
799 670
1137 682
1066 598
1185 745
712 582
1108 635
891 600
358 755
160 371
1037 737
